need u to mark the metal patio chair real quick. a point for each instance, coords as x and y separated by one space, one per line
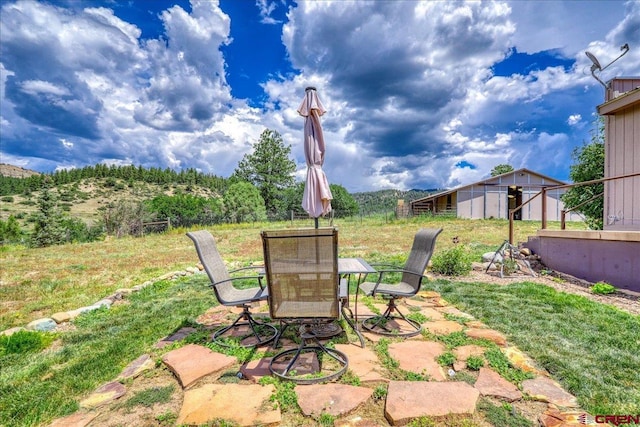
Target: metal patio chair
301 266
250 332
390 322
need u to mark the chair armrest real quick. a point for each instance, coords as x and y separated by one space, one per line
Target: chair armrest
251 267
258 278
395 270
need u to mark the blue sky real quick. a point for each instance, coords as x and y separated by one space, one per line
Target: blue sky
419 94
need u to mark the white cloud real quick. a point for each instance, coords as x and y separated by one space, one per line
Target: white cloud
408 86
574 119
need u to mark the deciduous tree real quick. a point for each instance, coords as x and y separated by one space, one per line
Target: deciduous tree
588 165
243 202
500 169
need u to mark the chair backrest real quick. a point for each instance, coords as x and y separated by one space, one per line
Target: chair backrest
421 251
213 264
301 268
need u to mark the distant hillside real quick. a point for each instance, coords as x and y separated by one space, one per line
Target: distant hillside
84 192
386 200
16 171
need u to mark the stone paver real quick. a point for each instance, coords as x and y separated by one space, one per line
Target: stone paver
428 294
79 419
487 334
490 383
554 417
419 357
255 369
355 421
42 325
192 362
179 335
443 327
363 362
546 390
61 317
520 360
11 331
419 303
455 312
244 405
333 399
463 352
141 364
249 404
103 395
412 399
432 313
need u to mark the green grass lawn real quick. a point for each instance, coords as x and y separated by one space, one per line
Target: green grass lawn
37 387
592 349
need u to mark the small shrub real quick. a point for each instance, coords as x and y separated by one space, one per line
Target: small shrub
454 339
509 266
603 288
380 392
7 199
446 359
22 342
326 419
452 262
475 362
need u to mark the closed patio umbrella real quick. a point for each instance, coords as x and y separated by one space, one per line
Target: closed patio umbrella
317 194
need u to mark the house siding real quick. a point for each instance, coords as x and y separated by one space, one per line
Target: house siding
622 157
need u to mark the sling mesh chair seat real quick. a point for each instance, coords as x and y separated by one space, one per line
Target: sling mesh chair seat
301 266
392 322
249 332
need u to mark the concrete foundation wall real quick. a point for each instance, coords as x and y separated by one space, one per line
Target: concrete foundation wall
613 257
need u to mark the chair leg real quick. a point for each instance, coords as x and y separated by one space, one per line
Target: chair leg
378 324
290 374
245 319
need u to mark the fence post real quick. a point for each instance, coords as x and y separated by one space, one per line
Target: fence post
511 226
544 208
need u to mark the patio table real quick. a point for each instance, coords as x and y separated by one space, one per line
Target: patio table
346 268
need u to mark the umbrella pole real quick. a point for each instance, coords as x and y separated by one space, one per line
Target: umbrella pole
316 221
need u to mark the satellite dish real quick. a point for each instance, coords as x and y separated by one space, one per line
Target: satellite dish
596 64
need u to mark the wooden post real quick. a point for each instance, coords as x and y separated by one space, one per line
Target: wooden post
563 215
511 226
544 208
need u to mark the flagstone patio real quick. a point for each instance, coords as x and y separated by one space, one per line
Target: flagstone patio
206 391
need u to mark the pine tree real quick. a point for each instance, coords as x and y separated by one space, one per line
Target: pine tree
269 168
49 221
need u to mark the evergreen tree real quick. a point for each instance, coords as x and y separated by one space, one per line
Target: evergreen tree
269 168
49 227
10 231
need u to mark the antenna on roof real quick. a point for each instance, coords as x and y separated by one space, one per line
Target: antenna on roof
596 64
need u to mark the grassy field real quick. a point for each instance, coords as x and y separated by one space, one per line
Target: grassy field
36 283
590 348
